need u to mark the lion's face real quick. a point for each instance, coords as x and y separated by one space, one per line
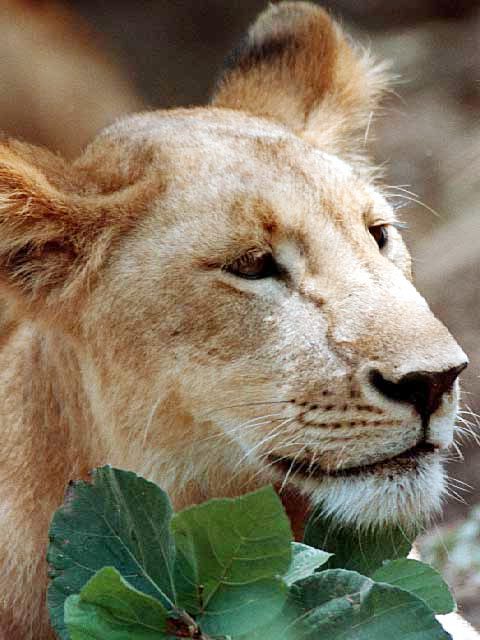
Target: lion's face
236 289
273 306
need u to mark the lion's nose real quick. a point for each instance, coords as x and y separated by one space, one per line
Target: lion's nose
422 389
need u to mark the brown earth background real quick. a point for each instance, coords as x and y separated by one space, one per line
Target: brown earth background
69 68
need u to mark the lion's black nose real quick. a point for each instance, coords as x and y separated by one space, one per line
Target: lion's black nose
422 389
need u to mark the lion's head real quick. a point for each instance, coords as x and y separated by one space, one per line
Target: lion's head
235 288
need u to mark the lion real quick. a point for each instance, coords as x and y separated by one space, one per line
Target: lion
218 298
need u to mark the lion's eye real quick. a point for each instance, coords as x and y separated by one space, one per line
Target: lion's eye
380 234
253 266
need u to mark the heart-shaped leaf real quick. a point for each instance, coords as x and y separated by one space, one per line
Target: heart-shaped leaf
118 520
421 580
108 608
344 605
229 556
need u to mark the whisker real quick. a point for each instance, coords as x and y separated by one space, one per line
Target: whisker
265 465
251 424
455 496
150 420
267 438
458 450
244 404
416 201
289 472
468 411
402 187
468 431
458 484
367 130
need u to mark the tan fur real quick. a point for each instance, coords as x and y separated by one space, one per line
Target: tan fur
133 345
297 68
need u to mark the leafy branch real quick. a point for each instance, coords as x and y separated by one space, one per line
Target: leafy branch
125 567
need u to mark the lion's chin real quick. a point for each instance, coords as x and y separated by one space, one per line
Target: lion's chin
405 494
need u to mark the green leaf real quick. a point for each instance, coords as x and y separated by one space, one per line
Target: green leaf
390 612
119 520
240 610
284 626
108 608
328 600
344 605
304 562
229 556
362 550
420 579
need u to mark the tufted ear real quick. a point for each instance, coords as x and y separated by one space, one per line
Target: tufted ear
53 237
297 67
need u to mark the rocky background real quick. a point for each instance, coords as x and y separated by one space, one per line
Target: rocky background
69 68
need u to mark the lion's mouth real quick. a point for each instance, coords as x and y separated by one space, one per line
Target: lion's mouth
406 461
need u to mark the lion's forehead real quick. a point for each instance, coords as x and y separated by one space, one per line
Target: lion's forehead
218 140
207 160
249 171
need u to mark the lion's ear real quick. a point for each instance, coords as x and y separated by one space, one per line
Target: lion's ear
51 238
297 67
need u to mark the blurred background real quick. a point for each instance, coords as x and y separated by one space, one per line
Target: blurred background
70 67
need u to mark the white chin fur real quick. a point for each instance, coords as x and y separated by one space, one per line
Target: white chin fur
370 500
